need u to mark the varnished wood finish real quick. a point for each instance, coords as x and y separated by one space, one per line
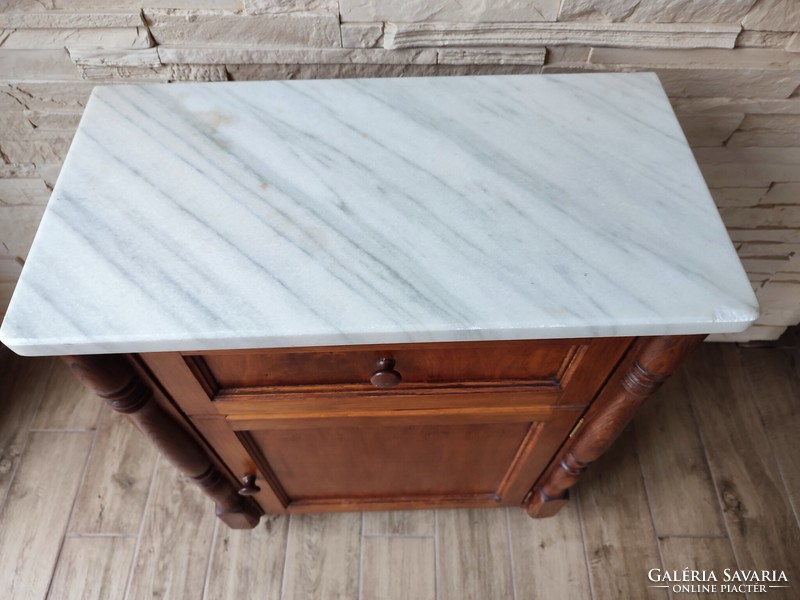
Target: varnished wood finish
606 521
650 362
556 366
113 378
320 434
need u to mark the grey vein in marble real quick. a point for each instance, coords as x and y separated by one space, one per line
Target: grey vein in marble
268 214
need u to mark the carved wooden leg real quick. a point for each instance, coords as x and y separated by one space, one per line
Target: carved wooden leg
113 378
653 361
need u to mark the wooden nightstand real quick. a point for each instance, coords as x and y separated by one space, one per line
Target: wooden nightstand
383 294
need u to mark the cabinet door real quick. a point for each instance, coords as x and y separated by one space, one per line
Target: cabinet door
480 457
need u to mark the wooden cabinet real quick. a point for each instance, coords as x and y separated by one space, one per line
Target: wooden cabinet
459 424
476 424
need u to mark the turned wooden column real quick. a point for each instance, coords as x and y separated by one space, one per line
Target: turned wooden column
651 362
113 378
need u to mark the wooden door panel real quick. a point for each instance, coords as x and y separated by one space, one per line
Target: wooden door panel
401 460
361 463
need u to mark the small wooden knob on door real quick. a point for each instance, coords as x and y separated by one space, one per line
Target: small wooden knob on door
250 486
386 376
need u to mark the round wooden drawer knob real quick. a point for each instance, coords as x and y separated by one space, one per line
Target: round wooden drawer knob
250 486
385 376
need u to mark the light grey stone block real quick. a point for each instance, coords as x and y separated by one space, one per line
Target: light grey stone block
14 123
261 7
741 73
217 28
108 37
46 96
704 130
622 35
738 196
727 105
288 56
783 193
362 35
334 71
70 20
54 65
35 151
115 58
18 225
163 73
53 122
733 83
768 130
748 167
411 11
491 56
774 15
766 138
776 40
656 11
23 191
753 58
104 5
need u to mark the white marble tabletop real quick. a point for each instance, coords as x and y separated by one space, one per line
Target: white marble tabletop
267 214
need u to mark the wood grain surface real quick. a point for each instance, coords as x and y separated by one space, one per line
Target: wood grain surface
744 406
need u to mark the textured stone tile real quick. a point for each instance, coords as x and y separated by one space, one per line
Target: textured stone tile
777 40
261 7
656 11
491 56
217 28
728 105
46 96
733 83
449 10
53 122
23 191
147 57
774 15
163 74
783 193
704 130
68 19
362 35
291 56
738 196
110 37
762 216
622 35
740 58
36 151
37 65
764 138
18 225
739 167
336 71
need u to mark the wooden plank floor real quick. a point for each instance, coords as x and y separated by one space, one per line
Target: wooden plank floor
707 477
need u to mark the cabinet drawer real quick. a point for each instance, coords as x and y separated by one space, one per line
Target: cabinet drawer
550 372
547 363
